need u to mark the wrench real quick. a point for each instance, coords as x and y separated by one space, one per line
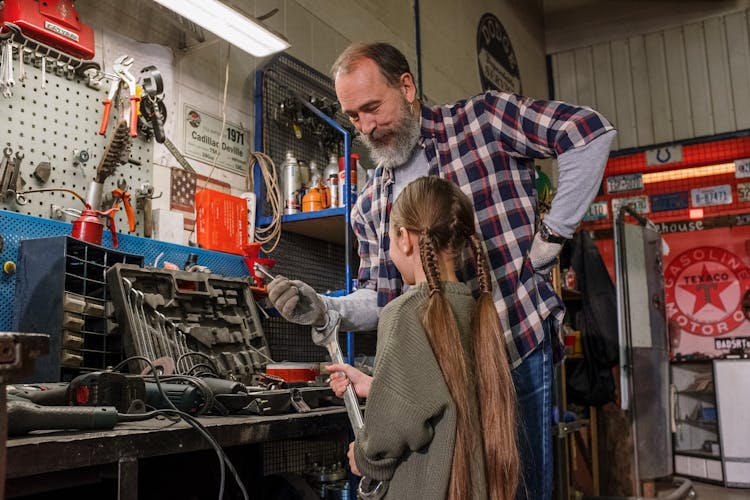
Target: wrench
329 338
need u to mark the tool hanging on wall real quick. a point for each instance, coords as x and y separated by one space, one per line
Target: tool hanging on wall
123 77
153 111
45 33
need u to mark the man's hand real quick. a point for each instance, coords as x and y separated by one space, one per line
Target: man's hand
543 254
341 375
297 302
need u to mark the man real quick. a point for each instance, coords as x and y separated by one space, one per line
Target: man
486 145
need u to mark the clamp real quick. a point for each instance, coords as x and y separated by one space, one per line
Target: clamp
121 193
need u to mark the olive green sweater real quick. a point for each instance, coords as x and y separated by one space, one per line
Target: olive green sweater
410 417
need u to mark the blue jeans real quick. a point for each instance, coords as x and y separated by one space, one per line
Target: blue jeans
533 381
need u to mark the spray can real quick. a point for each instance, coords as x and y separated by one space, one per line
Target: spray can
292 184
315 174
353 160
331 179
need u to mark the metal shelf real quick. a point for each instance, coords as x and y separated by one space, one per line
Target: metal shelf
325 225
700 423
698 454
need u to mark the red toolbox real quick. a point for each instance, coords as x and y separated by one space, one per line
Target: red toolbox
54 23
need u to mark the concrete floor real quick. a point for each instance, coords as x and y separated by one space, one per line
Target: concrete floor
712 492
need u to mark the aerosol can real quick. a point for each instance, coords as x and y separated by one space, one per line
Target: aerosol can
331 179
292 184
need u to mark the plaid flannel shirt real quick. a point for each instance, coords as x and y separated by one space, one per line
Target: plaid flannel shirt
486 145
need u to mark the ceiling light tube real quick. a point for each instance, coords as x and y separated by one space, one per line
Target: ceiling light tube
228 24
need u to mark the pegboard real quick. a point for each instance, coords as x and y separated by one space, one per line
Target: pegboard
49 124
15 227
285 80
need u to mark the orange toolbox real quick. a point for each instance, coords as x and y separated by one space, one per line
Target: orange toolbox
220 221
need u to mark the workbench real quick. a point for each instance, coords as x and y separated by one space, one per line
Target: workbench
157 458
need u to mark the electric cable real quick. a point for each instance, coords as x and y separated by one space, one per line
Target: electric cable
224 461
221 134
270 234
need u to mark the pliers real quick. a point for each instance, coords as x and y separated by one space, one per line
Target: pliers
121 67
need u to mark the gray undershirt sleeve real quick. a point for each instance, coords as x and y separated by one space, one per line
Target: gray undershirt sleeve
580 175
359 310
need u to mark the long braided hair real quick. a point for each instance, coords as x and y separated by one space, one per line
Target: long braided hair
443 217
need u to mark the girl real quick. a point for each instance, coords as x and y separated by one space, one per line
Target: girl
440 419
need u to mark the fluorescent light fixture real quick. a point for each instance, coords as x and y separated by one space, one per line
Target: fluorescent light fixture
688 173
244 33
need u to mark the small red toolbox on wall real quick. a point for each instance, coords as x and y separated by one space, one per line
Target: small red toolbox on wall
220 221
54 23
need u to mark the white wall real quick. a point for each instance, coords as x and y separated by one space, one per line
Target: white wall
318 31
664 86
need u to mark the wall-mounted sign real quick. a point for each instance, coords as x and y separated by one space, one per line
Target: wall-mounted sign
711 196
624 183
498 66
743 191
742 168
639 204
703 288
202 133
670 201
664 156
597 211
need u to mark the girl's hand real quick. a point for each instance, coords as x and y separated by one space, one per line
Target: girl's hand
352 463
342 375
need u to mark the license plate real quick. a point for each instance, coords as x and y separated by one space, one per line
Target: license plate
711 196
639 203
743 191
670 201
624 183
597 211
742 168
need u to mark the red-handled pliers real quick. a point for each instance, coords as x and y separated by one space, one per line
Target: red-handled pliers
114 86
121 68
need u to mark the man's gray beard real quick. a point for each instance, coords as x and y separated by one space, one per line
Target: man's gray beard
405 138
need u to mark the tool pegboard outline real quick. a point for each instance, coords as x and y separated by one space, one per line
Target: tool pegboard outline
52 122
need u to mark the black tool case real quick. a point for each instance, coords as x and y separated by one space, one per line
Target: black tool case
183 312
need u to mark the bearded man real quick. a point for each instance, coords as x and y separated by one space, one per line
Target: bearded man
486 145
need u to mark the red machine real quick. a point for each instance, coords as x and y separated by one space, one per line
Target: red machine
54 23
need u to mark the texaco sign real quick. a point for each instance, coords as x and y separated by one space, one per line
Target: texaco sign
703 291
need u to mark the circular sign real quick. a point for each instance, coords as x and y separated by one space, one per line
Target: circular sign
703 291
498 66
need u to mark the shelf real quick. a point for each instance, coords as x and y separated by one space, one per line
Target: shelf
699 423
697 394
562 429
698 454
325 225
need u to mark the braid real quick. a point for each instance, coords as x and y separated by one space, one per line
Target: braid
477 250
430 262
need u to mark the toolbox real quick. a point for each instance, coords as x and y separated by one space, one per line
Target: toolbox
201 322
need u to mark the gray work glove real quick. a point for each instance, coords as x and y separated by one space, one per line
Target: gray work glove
543 254
297 302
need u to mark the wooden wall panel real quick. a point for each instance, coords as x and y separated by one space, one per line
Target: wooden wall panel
641 92
604 85
666 86
624 101
661 109
739 67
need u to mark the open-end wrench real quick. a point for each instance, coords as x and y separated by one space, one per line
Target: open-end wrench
328 337
121 68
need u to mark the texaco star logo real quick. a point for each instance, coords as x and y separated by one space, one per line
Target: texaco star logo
703 293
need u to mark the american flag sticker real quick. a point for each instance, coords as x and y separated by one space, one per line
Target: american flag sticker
183 185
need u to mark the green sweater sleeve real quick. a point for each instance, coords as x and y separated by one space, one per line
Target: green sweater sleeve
406 395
